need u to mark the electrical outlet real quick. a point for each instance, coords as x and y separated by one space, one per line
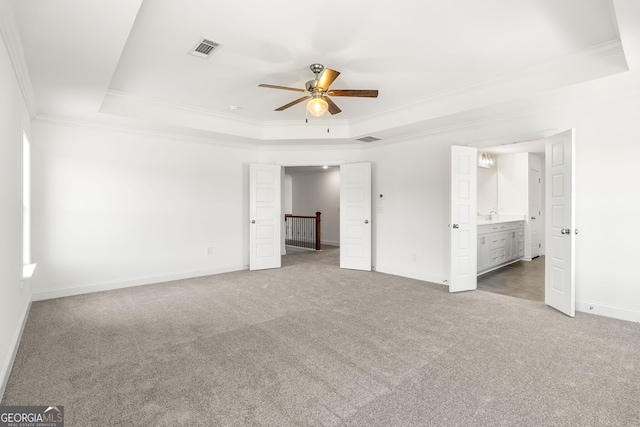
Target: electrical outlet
414 257
209 250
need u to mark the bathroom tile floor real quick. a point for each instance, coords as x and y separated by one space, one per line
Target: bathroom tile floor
523 279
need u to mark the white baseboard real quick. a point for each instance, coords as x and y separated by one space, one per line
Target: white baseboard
15 343
412 275
127 283
329 242
622 313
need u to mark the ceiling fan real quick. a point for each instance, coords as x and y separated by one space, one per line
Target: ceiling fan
319 92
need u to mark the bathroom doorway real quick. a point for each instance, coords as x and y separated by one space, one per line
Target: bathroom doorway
512 187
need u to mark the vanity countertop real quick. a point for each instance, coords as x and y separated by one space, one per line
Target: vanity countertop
498 219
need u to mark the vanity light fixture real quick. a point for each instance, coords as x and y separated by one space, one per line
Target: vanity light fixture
486 160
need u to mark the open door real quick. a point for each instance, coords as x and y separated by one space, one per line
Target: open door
463 274
535 212
560 232
355 216
265 217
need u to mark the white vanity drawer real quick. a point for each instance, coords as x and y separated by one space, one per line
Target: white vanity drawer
484 229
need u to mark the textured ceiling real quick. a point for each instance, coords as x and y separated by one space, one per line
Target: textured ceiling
127 62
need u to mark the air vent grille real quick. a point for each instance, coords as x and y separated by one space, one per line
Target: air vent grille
205 48
368 139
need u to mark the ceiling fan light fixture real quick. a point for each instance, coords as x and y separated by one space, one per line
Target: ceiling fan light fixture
320 94
317 106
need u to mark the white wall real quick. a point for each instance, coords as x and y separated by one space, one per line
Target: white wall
487 190
412 218
414 176
513 184
319 192
287 194
607 176
116 208
14 298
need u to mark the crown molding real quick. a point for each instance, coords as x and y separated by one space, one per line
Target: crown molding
129 105
180 107
64 121
585 65
309 147
11 37
547 103
508 80
624 92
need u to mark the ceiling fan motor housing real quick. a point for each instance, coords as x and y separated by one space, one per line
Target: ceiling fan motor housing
311 85
316 68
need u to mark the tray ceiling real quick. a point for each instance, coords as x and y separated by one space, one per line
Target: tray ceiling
127 61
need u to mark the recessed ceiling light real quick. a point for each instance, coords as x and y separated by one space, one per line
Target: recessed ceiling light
233 108
325 167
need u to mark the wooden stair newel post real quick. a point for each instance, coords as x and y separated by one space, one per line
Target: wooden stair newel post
318 245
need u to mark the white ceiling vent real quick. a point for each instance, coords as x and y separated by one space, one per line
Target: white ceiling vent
205 48
368 139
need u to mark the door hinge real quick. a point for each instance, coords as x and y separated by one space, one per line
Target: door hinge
539 181
539 245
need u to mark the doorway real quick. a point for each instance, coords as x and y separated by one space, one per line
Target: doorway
510 187
560 231
311 189
266 203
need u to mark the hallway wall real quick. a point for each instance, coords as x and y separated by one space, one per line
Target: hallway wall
319 192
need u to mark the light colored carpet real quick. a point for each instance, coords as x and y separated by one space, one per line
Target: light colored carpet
310 344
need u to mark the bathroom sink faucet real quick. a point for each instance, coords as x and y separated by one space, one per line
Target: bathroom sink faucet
491 214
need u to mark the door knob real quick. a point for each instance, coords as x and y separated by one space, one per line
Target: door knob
533 217
366 221
565 231
456 226
253 221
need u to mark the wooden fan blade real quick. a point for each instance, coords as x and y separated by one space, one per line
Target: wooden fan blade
292 103
326 78
333 108
295 89
356 92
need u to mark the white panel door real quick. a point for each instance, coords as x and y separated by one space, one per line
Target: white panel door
463 227
355 216
265 217
559 290
535 199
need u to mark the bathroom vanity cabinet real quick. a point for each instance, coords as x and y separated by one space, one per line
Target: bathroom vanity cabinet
499 244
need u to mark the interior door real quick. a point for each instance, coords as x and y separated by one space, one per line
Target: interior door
560 231
355 216
535 199
265 217
463 227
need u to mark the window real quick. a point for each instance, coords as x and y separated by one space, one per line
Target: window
27 267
